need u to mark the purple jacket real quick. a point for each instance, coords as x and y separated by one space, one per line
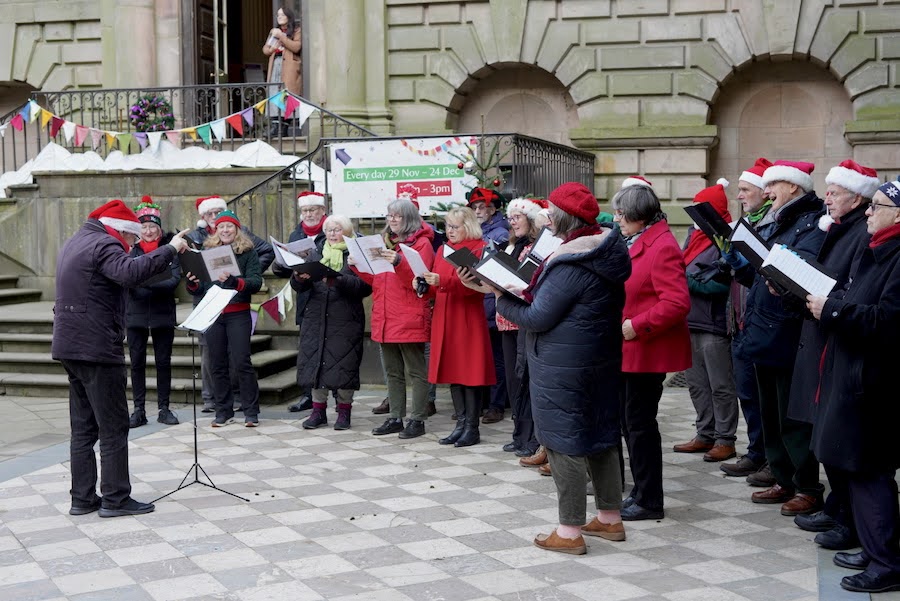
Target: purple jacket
92 273
496 230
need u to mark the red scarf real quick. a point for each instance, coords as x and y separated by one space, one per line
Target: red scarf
588 230
315 230
149 247
117 236
882 236
700 241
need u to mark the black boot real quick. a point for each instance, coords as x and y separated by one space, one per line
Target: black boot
459 406
470 435
138 418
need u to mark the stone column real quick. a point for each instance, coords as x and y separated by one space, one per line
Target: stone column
129 43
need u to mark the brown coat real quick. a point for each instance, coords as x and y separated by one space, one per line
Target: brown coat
291 63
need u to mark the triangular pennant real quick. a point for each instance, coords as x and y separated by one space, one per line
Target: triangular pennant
191 131
35 111
81 133
141 138
26 112
111 139
218 129
290 104
278 99
173 136
261 106
17 122
55 125
254 318
68 130
303 112
271 308
96 136
236 123
286 294
124 142
154 137
3 129
204 133
46 117
247 114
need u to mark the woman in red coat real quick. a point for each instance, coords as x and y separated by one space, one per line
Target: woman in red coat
460 344
656 336
401 320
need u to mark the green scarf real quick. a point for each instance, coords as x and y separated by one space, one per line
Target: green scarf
760 212
333 255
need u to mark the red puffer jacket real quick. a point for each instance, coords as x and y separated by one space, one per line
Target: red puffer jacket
398 315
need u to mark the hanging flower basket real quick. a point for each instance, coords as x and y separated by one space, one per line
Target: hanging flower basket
152 113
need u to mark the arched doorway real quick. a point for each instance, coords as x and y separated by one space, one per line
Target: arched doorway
791 111
521 99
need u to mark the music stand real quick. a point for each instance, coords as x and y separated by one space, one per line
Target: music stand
196 468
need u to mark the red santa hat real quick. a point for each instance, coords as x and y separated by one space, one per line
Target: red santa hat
530 207
636 180
715 196
754 175
206 204
575 199
852 176
116 215
793 172
310 199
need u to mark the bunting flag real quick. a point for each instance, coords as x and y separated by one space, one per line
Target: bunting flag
81 133
25 113
154 137
96 136
247 114
17 122
125 142
141 138
205 134
191 131
236 123
290 105
3 130
254 318
278 99
218 129
303 112
273 308
110 139
35 111
173 136
261 106
55 125
46 117
68 130
286 296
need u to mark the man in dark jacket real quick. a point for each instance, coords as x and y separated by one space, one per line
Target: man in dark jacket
494 228
208 208
772 335
850 189
856 421
92 271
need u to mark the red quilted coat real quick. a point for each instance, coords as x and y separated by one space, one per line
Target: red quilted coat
398 315
460 343
657 302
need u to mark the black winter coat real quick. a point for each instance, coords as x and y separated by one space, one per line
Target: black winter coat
92 272
844 241
573 343
856 421
286 272
709 286
772 323
153 306
331 334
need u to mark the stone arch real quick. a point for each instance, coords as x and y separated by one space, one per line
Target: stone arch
515 98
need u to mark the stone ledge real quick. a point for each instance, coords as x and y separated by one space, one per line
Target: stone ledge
697 136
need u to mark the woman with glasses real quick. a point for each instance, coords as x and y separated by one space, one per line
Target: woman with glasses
331 335
460 344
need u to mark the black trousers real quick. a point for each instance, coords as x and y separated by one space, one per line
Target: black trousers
877 519
497 397
787 441
98 411
510 349
162 352
229 350
639 395
523 422
837 503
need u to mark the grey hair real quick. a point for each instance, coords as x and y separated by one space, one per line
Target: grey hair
340 220
408 212
638 204
563 222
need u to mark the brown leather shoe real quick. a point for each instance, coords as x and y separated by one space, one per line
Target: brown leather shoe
492 416
802 504
770 496
544 470
384 407
719 452
554 542
614 532
539 458
694 446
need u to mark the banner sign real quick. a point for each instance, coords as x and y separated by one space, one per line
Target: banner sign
367 175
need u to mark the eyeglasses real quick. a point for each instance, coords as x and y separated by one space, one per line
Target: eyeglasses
335 230
516 217
453 227
214 213
394 217
881 204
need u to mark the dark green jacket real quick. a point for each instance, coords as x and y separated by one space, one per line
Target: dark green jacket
249 282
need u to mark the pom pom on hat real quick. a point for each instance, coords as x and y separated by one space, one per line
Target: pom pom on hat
852 176
310 199
636 180
754 175
206 204
793 172
228 217
825 222
530 207
116 215
575 199
148 211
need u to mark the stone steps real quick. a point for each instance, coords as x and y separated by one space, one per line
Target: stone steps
13 296
40 343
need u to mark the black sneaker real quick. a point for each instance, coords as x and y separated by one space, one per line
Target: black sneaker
511 446
131 507
137 419
390 426
167 417
414 429
208 407
85 509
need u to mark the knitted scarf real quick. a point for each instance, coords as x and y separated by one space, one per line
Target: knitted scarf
333 255
315 230
755 216
149 247
882 236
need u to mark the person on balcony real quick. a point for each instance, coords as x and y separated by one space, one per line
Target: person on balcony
285 66
151 311
332 332
228 339
311 206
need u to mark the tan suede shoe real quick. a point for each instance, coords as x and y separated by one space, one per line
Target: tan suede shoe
554 542
614 532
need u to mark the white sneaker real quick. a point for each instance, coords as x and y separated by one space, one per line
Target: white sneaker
216 424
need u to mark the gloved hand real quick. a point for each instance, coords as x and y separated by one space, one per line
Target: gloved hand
230 282
734 259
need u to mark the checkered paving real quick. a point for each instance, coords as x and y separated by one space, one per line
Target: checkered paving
347 516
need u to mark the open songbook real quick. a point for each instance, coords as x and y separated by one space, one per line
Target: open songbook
207 265
749 243
288 254
504 273
795 274
208 309
366 252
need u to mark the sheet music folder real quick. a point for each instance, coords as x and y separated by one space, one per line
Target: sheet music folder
709 222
